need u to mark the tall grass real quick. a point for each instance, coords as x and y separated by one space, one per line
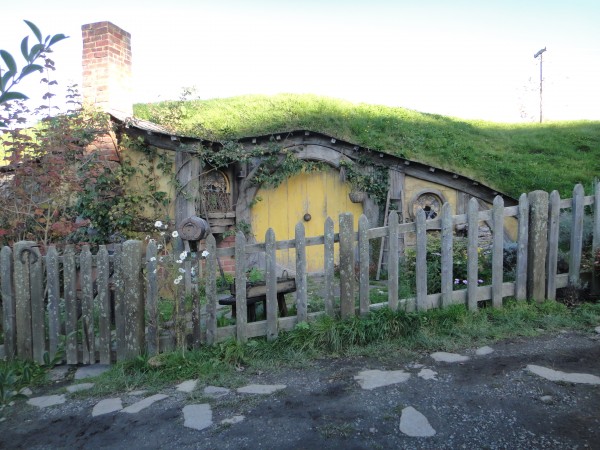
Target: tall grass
512 158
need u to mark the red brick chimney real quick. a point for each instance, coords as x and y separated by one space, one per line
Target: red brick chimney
107 67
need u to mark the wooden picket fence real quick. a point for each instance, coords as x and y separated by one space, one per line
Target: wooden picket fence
55 300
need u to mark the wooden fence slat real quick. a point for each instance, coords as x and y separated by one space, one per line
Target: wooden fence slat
596 227
497 251
538 241
152 341
447 258
472 253
241 318
22 259
8 303
271 280
522 248
87 306
301 279
70 292
119 283
553 234
53 284
103 304
211 290
363 265
133 299
392 262
38 308
575 250
347 275
329 266
421 262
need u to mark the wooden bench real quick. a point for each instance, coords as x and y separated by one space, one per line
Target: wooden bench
257 292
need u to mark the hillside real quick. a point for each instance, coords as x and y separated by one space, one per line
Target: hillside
512 158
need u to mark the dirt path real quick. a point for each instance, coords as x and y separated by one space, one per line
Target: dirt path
488 401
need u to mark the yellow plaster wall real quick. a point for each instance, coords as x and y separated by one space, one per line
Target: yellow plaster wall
412 186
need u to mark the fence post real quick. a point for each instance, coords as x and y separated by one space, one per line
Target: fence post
133 298
421 261
329 266
271 279
552 257
152 341
301 288
211 290
102 282
596 237
240 287
53 283
347 265
447 255
70 292
497 251
22 259
87 305
522 249
363 264
120 323
392 262
538 240
576 236
472 253
8 302
38 309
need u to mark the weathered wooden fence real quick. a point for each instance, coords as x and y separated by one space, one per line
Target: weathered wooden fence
70 298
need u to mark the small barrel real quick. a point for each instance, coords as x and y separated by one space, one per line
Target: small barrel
193 229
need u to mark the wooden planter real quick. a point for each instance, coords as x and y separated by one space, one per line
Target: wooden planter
357 196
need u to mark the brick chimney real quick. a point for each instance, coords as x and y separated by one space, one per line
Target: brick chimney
107 67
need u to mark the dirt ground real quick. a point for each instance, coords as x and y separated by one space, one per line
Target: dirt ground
487 402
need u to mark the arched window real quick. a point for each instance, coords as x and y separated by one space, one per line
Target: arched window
214 192
429 201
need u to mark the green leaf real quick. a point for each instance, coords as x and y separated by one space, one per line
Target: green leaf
9 61
36 30
29 69
25 47
4 80
56 38
35 52
8 96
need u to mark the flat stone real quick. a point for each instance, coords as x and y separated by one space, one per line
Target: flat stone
107 406
482 351
79 387
216 391
58 373
143 404
415 424
46 400
597 330
91 371
233 420
187 386
261 388
427 374
546 399
557 375
197 417
448 357
26 392
371 379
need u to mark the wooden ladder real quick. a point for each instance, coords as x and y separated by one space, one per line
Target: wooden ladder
382 248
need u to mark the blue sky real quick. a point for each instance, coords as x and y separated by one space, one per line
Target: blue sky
464 58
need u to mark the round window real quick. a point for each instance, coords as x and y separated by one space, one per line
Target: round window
429 202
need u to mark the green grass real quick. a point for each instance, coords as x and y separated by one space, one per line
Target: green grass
381 334
512 158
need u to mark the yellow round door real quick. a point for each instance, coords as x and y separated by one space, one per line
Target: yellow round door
308 198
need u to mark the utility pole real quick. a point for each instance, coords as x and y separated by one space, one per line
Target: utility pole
540 54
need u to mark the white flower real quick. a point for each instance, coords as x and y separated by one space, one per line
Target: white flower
154 271
205 254
152 240
162 233
147 237
178 279
183 255
159 246
153 259
175 233
179 261
181 270
158 224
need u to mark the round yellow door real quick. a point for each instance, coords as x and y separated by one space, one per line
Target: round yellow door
308 198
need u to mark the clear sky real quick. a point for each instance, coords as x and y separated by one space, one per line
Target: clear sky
465 58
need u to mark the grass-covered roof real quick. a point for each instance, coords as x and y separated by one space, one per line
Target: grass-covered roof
512 158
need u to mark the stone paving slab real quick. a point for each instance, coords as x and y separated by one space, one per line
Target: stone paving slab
106 406
216 391
79 387
47 400
261 388
427 374
197 417
143 404
371 379
233 420
557 375
482 351
91 371
415 424
187 386
449 357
